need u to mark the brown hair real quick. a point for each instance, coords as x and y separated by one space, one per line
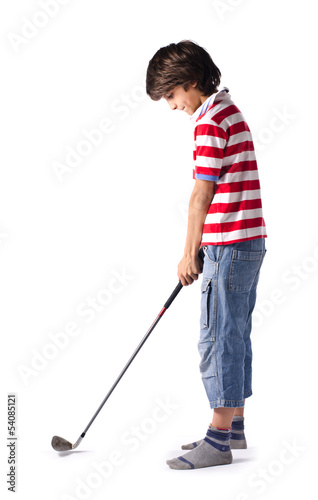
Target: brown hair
181 64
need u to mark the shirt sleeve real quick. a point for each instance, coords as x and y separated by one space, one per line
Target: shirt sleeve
210 141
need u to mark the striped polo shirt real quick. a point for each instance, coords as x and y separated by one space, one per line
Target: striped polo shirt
224 153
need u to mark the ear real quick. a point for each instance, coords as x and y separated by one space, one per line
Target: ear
194 84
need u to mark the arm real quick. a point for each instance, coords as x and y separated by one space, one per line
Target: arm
191 266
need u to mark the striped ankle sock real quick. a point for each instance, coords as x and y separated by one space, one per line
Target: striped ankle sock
213 450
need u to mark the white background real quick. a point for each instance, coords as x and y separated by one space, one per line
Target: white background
122 209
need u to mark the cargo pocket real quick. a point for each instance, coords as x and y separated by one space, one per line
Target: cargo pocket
244 270
205 293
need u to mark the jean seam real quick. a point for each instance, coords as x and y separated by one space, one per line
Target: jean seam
231 269
220 253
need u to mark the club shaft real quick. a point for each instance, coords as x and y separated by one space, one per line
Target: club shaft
154 324
122 373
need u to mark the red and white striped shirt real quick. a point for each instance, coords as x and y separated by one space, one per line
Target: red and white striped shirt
224 153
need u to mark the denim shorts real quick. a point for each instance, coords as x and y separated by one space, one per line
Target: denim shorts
228 296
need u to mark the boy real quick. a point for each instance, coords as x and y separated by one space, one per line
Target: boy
226 227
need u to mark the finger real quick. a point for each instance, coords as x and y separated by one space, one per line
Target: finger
184 281
187 279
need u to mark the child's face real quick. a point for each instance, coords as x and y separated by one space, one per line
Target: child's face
185 100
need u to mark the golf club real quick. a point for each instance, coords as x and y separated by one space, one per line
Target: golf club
61 444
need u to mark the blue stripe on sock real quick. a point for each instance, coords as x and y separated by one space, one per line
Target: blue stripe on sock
237 437
186 461
195 444
238 425
221 436
220 447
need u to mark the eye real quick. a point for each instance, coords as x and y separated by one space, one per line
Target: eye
170 96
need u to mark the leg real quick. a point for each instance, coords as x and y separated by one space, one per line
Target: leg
239 412
229 282
222 418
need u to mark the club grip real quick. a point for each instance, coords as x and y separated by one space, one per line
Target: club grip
173 295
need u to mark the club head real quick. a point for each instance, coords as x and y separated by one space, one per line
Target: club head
60 444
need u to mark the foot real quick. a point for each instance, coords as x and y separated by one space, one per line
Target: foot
213 450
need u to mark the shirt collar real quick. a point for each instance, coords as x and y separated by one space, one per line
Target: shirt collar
205 106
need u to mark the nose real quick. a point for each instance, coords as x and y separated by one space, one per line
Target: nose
172 106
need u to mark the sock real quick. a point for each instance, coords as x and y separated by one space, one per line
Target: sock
191 446
237 438
238 441
213 450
